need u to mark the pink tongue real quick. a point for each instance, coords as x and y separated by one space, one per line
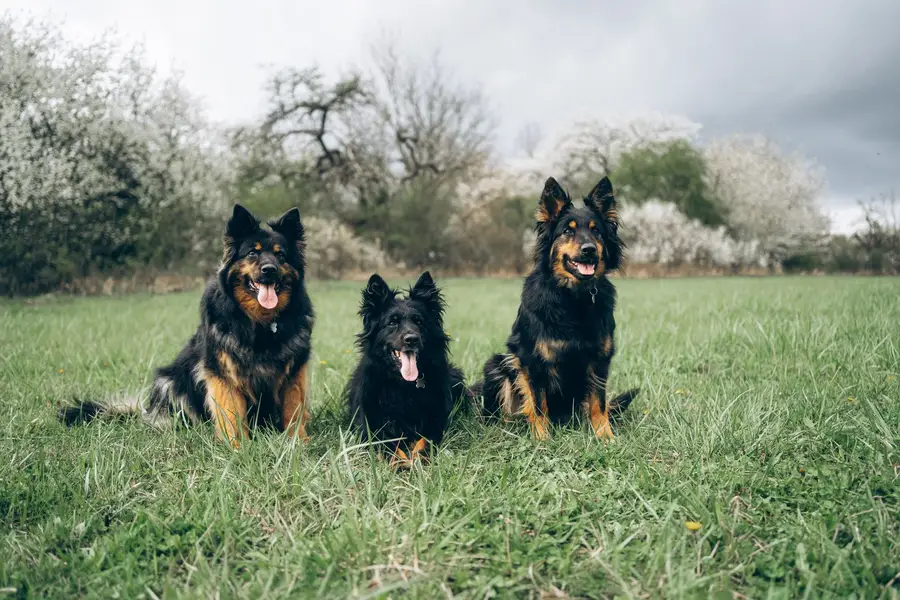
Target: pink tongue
267 296
408 368
585 269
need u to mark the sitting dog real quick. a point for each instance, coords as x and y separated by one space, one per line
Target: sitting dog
247 361
561 344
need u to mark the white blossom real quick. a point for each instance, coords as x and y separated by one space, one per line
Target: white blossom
769 196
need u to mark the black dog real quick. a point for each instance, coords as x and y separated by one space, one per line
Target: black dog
248 359
404 387
561 343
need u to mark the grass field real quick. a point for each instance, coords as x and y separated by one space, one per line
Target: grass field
769 415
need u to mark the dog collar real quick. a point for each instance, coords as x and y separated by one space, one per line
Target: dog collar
593 296
420 382
274 327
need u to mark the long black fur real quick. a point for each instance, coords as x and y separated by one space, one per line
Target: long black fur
263 358
384 406
572 317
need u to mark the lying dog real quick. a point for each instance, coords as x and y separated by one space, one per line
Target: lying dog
404 387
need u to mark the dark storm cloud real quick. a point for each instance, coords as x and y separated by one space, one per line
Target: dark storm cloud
819 77
846 116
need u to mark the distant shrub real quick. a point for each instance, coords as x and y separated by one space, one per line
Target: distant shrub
334 250
657 232
104 166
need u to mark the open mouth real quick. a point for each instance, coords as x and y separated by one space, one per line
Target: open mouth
406 359
266 293
582 270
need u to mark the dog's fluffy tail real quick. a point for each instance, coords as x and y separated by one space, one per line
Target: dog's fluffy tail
82 412
618 404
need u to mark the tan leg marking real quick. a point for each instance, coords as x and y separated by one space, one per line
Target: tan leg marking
399 459
597 407
538 421
229 409
599 418
294 412
418 450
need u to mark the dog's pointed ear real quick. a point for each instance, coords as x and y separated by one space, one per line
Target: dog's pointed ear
375 297
290 226
602 200
241 225
426 291
553 200
425 284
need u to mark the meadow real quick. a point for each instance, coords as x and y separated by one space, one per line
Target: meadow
761 459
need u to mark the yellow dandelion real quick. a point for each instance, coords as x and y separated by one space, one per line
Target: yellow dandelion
322 362
851 399
890 377
646 411
105 364
61 371
681 391
693 525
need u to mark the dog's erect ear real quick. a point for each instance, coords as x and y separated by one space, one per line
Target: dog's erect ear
241 225
602 200
375 298
427 292
425 284
289 226
553 200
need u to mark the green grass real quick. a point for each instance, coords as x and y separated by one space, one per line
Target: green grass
769 413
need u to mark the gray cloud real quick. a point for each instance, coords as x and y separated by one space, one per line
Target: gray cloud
818 76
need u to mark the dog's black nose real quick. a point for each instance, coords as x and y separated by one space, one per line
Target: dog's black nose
589 250
411 339
269 270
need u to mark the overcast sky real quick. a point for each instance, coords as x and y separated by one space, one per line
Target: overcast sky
820 76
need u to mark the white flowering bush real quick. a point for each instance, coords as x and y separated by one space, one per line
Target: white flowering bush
103 164
658 233
333 249
768 196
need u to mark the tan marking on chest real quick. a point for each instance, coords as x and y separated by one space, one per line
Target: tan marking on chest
550 350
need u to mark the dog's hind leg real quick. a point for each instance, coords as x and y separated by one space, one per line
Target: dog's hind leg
293 408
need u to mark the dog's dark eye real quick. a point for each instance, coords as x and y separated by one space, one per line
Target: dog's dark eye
279 255
417 320
252 254
595 230
568 231
394 321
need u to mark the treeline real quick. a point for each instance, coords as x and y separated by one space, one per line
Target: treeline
107 167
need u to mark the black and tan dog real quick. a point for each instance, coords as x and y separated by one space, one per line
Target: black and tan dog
404 387
247 361
559 351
